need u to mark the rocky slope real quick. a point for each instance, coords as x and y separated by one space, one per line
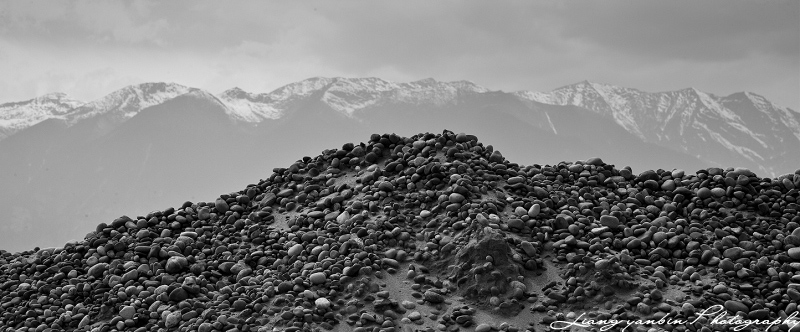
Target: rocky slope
429 232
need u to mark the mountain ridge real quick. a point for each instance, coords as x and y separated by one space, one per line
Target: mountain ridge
682 118
742 125
256 107
17 116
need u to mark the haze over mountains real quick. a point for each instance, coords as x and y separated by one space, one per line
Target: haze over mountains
69 165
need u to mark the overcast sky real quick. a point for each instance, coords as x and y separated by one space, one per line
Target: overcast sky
90 48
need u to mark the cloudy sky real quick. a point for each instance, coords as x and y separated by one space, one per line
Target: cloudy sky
90 48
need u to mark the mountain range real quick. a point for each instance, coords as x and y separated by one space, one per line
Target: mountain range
72 164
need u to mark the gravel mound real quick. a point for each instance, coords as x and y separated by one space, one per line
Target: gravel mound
428 233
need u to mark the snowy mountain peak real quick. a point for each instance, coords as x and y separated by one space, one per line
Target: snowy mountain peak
59 96
128 101
342 94
693 92
248 107
298 90
361 84
345 95
57 100
425 81
579 86
689 119
753 99
16 116
349 95
757 100
235 92
468 86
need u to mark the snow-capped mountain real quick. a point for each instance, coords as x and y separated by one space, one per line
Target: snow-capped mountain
17 116
345 95
351 95
250 107
115 108
743 104
700 124
720 130
124 103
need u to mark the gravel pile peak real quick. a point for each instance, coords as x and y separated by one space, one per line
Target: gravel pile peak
434 232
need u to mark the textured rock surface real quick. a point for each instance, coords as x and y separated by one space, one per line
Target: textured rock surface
428 232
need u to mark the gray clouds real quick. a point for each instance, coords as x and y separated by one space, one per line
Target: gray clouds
88 48
693 30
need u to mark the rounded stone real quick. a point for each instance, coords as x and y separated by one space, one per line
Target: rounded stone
515 223
794 253
736 306
528 248
318 278
176 264
483 328
97 270
84 322
456 198
172 319
433 297
386 186
239 305
609 221
178 294
596 161
284 287
658 237
295 250
534 210
127 312
496 157
726 264
221 206
704 193
793 294
408 304
322 303
733 253
205 327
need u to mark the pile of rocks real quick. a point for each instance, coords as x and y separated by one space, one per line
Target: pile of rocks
429 232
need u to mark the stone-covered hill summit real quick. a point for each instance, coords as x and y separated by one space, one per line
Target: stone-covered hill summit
429 233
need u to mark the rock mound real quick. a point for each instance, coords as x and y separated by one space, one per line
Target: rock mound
429 232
